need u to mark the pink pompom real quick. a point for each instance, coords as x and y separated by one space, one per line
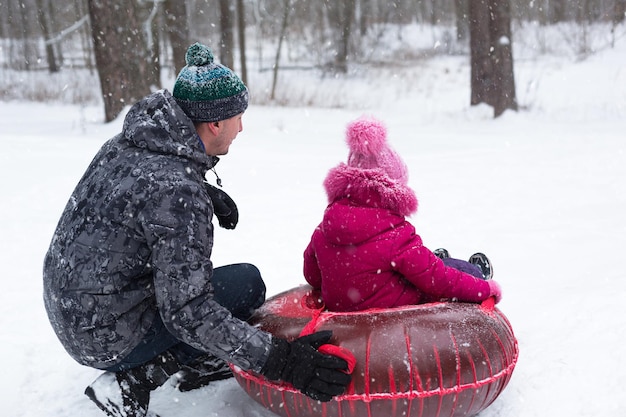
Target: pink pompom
367 140
366 136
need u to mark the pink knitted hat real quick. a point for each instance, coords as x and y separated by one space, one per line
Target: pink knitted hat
367 140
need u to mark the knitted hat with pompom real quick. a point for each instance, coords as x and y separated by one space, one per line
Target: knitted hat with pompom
367 140
206 91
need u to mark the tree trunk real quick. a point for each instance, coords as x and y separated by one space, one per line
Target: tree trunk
176 29
52 13
502 57
432 15
558 11
349 7
618 16
462 20
24 35
152 31
341 14
85 37
120 54
480 43
364 16
241 33
283 31
226 29
5 30
619 11
45 29
492 80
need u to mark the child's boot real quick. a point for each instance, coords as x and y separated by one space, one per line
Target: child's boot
482 262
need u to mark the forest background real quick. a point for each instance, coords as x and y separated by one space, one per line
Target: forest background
129 48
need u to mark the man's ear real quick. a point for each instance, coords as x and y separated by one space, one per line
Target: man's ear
214 127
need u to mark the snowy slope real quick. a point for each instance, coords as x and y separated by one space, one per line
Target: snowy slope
541 191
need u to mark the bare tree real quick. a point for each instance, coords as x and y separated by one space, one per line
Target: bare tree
176 29
227 38
80 9
619 11
502 58
241 34
43 13
617 17
281 38
120 53
149 16
24 33
558 11
492 79
347 17
365 16
341 14
462 19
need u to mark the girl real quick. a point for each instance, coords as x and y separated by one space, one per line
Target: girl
365 254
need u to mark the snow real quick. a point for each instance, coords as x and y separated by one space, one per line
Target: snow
541 191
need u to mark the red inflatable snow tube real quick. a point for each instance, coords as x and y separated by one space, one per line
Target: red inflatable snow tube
429 360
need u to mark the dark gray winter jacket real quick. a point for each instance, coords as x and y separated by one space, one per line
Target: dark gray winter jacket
135 239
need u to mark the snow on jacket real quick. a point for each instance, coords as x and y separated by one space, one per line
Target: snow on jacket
365 254
135 240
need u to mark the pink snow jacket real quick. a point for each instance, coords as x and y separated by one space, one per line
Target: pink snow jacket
365 254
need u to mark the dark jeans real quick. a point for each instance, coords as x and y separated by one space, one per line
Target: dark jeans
238 287
464 266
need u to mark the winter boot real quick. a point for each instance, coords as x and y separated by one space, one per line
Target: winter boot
441 253
482 262
127 393
201 372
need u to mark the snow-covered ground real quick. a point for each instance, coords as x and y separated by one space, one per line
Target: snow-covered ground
541 191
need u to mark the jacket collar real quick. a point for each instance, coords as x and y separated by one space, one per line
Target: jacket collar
370 188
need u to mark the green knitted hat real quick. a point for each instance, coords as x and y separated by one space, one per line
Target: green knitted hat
206 91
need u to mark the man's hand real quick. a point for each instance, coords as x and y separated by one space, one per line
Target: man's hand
299 363
224 207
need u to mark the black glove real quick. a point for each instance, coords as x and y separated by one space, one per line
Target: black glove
224 207
317 375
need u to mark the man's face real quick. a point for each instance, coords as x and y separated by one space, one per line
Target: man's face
225 133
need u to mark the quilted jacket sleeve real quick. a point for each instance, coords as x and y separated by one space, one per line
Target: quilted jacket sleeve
429 274
180 234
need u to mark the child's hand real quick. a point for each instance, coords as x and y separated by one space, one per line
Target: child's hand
494 290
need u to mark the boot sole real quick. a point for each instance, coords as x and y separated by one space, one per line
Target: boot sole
104 383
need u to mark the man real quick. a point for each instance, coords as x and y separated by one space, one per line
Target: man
129 285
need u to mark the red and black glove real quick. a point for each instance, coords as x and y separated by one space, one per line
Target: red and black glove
299 363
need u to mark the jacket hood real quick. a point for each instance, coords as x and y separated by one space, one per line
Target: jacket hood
371 188
158 124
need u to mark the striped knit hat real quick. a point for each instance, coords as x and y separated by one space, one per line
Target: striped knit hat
206 91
